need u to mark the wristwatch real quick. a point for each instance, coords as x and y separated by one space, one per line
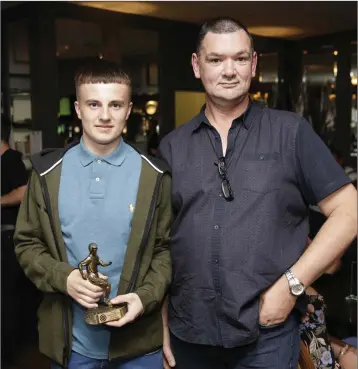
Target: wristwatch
296 287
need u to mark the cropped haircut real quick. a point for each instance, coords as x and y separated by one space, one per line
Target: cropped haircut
221 25
101 71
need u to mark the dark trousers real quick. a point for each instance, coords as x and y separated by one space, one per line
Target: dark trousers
10 272
19 301
276 348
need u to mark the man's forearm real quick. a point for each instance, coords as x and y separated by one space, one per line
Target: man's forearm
14 197
330 243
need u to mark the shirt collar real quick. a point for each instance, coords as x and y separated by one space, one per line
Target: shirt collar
116 157
201 119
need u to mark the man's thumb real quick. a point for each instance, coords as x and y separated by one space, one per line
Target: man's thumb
119 299
169 356
102 276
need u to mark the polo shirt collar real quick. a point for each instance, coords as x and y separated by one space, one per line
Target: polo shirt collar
116 157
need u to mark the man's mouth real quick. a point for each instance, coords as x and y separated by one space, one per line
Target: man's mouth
229 84
104 126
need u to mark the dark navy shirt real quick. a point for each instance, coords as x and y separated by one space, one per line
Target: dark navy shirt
225 254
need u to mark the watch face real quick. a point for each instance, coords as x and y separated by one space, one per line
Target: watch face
297 289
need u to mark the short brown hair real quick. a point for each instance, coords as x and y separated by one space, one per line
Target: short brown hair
101 71
221 25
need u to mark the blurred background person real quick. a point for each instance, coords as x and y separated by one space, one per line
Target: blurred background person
13 185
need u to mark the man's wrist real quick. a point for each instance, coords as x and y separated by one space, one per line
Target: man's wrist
295 286
138 297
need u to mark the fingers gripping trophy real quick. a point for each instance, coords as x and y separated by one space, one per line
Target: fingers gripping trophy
105 312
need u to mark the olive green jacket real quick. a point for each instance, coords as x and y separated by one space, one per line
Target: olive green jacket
41 252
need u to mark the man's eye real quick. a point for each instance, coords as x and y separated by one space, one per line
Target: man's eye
243 59
93 105
116 106
214 61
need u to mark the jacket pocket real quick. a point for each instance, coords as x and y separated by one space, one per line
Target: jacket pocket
143 336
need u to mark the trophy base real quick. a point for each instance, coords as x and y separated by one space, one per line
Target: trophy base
104 314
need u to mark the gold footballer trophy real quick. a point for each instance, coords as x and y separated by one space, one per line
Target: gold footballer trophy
105 312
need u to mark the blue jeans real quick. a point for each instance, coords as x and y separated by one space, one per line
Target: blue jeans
277 347
150 361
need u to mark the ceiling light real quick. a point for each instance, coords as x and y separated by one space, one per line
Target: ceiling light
276 31
129 7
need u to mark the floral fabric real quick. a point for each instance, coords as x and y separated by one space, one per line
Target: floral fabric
314 334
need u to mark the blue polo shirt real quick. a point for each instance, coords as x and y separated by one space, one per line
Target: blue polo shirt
97 198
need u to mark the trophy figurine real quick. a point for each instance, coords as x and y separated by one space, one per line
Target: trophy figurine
105 312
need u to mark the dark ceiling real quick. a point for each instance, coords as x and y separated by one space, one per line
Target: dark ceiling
284 19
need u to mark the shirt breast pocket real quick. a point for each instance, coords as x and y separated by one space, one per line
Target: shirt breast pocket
262 173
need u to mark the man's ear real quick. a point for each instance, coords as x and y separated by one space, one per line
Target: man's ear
78 110
254 64
129 110
195 65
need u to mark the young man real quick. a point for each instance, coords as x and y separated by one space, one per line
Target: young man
243 176
99 191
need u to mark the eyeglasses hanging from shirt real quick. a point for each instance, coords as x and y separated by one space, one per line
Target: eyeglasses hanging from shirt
225 184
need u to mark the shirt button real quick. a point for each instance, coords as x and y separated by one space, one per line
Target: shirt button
216 261
97 179
220 194
216 226
99 161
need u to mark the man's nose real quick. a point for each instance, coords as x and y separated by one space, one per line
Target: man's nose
229 68
104 115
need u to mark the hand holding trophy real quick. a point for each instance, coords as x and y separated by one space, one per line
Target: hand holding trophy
106 312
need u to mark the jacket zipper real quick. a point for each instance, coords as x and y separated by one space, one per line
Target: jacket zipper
143 244
46 196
